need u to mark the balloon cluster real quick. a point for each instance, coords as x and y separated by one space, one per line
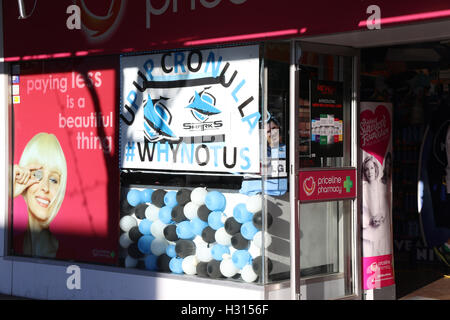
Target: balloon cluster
187 231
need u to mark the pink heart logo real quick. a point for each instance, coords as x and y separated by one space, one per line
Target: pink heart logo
375 131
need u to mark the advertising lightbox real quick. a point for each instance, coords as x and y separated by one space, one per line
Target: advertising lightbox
65 163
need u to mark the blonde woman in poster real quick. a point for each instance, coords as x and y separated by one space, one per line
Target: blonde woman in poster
376 210
40 177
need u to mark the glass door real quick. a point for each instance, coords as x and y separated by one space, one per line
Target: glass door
323 107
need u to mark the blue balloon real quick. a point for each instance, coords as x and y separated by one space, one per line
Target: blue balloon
165 214
150 262
215 201
218 250
248 230
197 226
241 258
184 230
241 214
144 243
215 219
170 251
170 199
144 226
175 265
146 195
134 197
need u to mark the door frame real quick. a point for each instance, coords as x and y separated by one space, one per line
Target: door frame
355 233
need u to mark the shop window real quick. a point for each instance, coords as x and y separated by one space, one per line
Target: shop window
203 163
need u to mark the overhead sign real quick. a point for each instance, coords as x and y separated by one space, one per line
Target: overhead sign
326 185
191 110
66 28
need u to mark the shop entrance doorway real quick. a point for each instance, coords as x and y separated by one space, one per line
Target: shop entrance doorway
324 154
415 79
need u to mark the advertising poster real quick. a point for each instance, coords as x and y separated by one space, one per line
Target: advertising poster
65 178
192 110
326 119
376 176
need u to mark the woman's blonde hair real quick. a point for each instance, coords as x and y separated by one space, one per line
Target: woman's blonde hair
44 149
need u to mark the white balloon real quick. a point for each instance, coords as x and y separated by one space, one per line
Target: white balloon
254 203
227 268
222 237
130 262
190 210
152 212
247 274
127 222
158 247
254 250
198 240
198 195
125 240
204 254
189 265
157 229
257 239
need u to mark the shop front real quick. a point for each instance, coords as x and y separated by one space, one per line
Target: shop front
149 159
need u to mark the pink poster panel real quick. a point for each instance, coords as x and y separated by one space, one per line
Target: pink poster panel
376 176
65 181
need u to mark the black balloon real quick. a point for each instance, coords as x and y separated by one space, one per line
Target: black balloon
178 214
184 248
134 234
258 267
208 235
239 242
170 232
183 196
126 208
162 262
203 212
134 252
257 220
158 198
202 269
140 210
232 226
213 269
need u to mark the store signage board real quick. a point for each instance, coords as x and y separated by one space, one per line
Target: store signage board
193 110
120 26
74 101
327 184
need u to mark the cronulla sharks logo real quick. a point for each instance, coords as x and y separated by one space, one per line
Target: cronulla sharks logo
157 120
203 105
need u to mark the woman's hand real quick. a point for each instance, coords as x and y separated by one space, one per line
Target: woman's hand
377 220
23 177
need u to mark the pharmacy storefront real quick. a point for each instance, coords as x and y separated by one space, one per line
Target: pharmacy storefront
154 154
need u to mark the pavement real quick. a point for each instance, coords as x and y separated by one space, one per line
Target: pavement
437 290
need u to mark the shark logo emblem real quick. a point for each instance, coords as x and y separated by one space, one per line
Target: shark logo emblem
157 120
203 105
